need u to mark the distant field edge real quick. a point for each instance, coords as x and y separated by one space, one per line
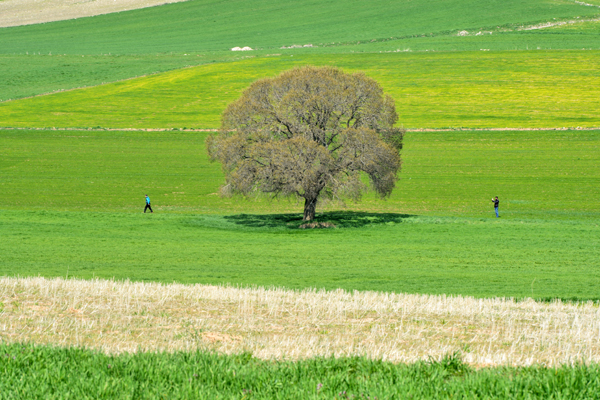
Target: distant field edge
102 129
460 129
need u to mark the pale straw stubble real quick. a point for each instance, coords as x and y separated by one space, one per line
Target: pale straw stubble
275 323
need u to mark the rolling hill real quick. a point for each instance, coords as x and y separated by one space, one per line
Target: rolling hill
212 25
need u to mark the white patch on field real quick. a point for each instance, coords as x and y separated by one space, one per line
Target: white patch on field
297 46
557 23
581 3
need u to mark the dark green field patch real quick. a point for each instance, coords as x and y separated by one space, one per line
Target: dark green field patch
33 74
197 26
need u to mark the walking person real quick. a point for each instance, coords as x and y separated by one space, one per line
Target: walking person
147 204
496 203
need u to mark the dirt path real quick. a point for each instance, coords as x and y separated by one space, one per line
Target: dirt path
26 12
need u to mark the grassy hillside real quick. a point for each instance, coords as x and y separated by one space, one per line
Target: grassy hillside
432 90
202 25
72 203
47 57
30 75
37 73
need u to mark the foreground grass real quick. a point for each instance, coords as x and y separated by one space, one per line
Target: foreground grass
118 317
52 372
432 90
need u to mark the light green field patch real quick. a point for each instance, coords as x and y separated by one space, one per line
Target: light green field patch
437 90
536 174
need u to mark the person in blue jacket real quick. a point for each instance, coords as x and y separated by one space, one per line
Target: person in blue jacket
147 204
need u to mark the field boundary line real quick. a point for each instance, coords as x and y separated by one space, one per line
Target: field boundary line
5 128
551 24
574 128
461 129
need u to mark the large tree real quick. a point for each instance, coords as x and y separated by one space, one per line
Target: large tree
310 132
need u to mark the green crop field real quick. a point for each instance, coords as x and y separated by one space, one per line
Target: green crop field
72 205
197 26
390 252
199 375
32 75
63 55
538 175
432 90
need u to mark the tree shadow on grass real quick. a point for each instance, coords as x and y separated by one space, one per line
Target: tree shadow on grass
340 219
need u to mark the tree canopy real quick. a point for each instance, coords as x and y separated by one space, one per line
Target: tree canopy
311 132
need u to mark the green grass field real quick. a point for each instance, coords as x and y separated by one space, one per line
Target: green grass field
537 175
49 374
72 204
197 26
63 55
368 251
71 201
31 75
432 90
39 73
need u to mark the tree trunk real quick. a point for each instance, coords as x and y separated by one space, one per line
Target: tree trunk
310 205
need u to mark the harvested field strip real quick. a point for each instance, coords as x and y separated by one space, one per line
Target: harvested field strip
26 12
274 323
